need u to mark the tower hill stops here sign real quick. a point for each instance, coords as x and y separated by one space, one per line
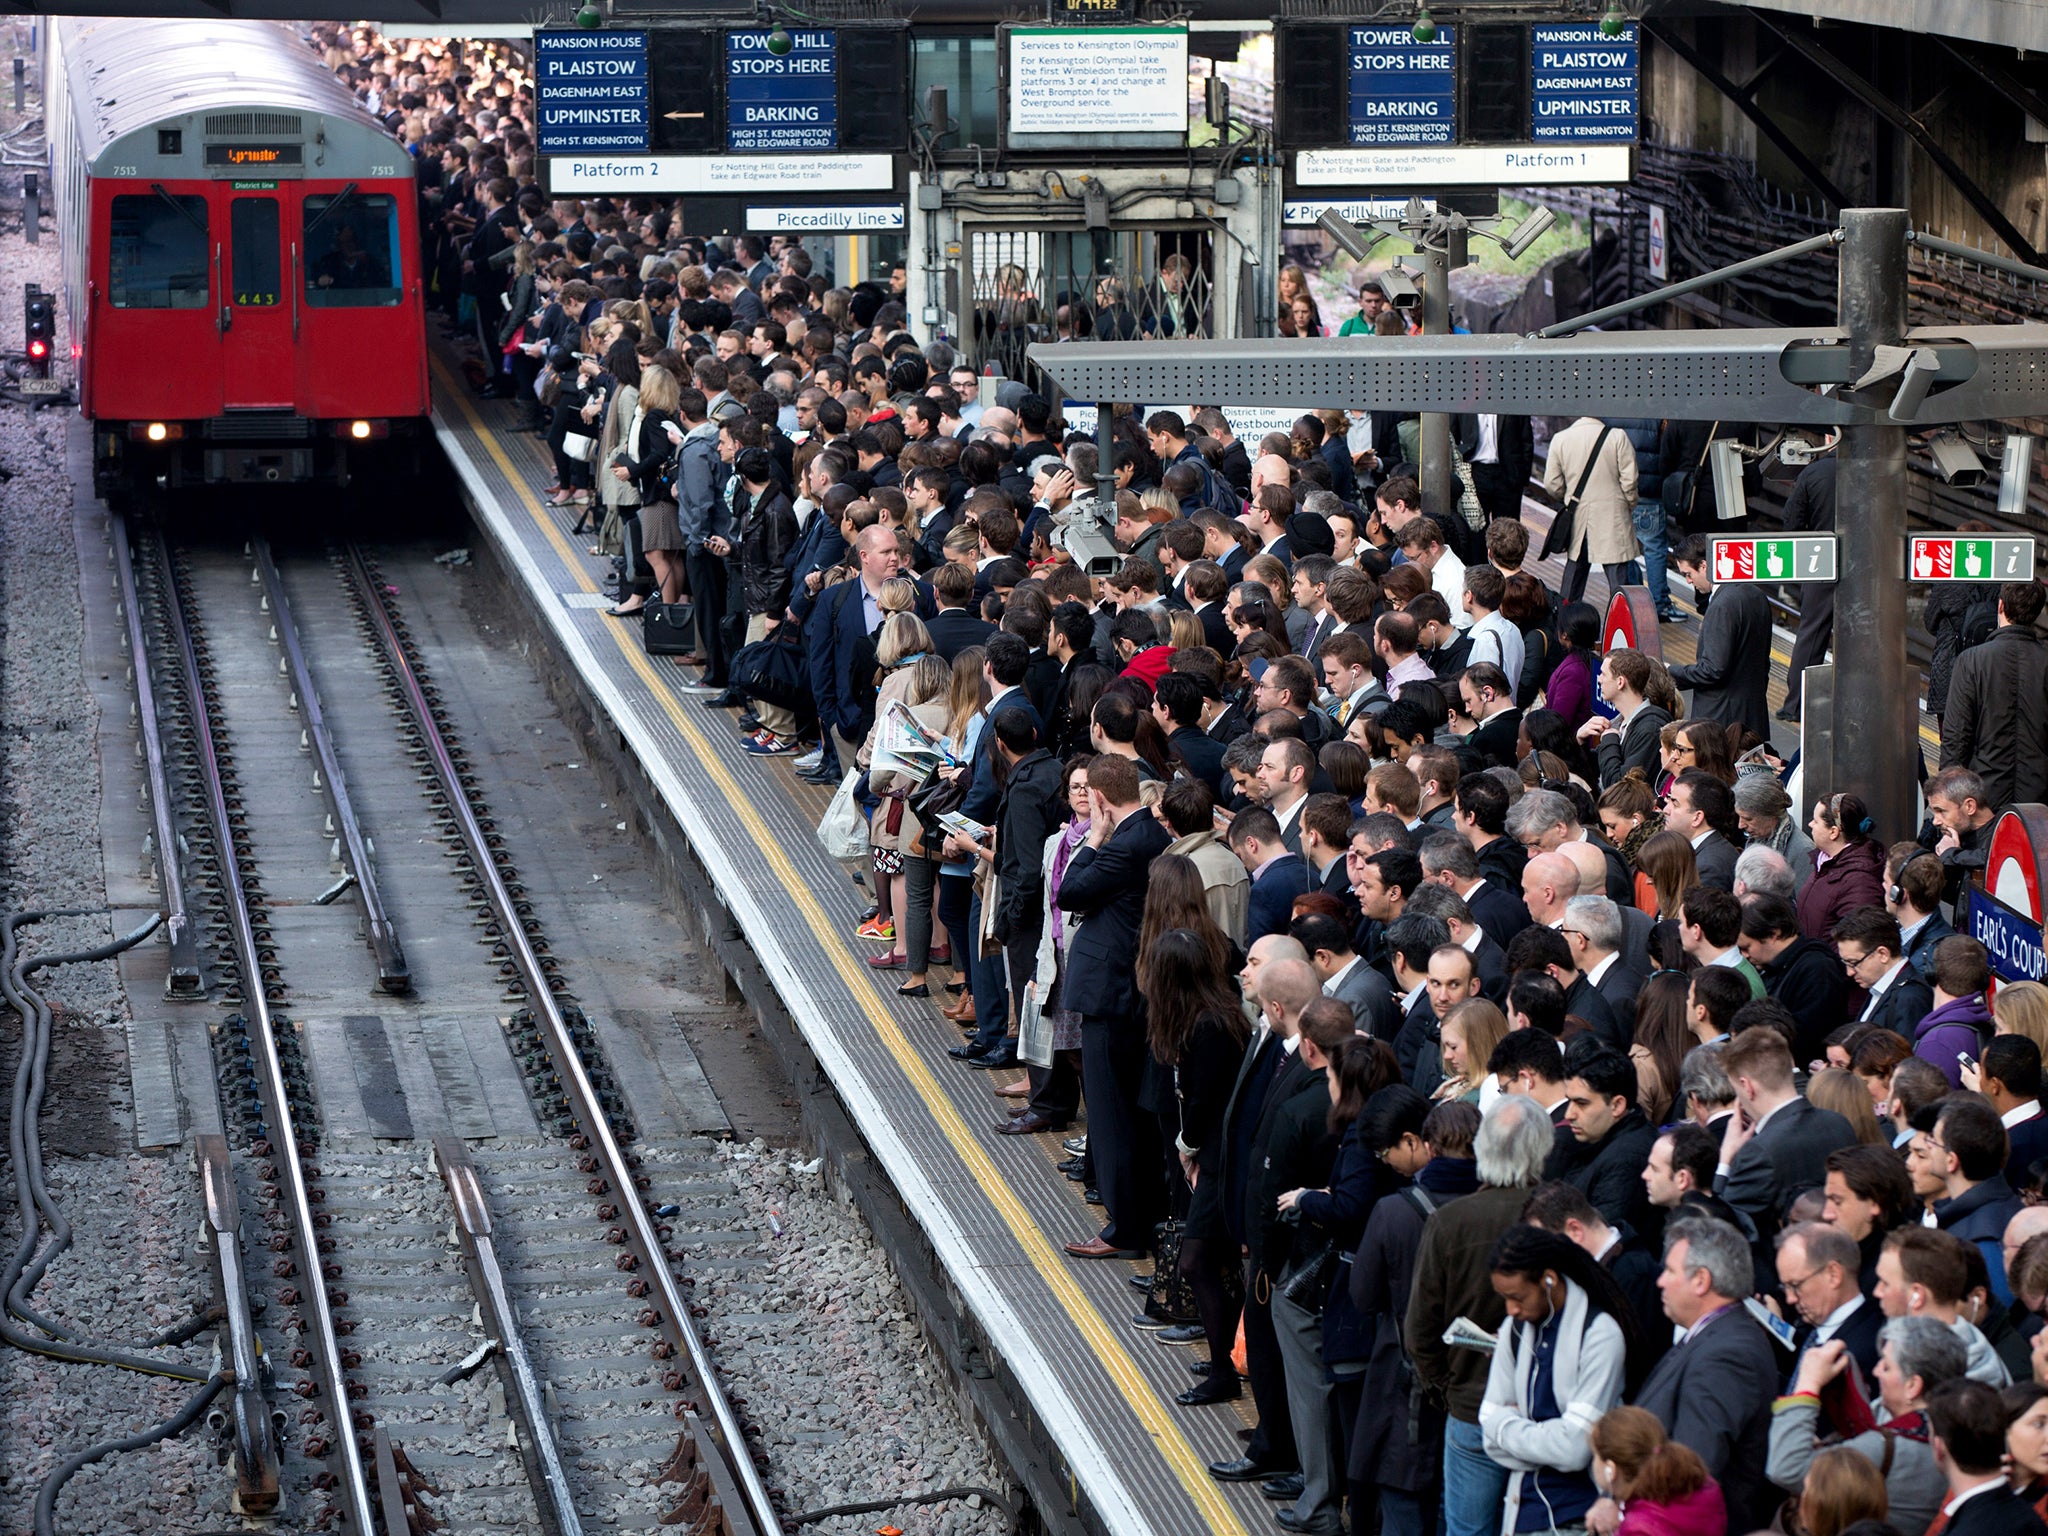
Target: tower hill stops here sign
1402 91
590 92
781 102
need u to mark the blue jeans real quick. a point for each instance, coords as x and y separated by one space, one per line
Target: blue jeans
1475 1486
1653 533
1400 1513
991 995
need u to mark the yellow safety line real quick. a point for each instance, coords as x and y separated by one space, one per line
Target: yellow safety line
1051 1266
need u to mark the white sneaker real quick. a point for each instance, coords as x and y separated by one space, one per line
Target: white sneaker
809 762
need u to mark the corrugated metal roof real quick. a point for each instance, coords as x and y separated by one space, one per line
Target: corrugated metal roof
129 72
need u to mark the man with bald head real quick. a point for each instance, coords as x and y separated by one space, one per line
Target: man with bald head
846 616
1273 1075
1636 924
1549 880
1270 469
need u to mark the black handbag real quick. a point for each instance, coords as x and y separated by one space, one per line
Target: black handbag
667 629
1681 489
1309 1286
937 796
772 670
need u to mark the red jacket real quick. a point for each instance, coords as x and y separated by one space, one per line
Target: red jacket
1700 1513
1150 665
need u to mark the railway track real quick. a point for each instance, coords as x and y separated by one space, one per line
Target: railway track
486 1337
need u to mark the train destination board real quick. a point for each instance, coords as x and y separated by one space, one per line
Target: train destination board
590 92
781 101
1582 84
1402 91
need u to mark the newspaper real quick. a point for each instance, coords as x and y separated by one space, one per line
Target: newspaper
905 747
1464 1333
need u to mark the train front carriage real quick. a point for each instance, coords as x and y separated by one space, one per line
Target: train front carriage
242 257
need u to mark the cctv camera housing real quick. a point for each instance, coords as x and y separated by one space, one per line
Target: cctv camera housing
1956 461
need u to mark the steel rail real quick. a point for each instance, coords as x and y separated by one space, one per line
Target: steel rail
541 1451
353 1488
736 1483
257 1482
393 975
185 979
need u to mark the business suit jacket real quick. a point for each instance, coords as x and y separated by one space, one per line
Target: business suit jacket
1716 860
1619 984
1496 736
1713 1394
1636 748
1294 1081
1256 1076
1859 1332
1216 629
1636 927
1584 999
2029 1144
2001 1512
1789 1154
1491 962
1335 882
1903 1004
1272 897
1417 1046
1202 753
1106 887
1371 1001
954 629
1732 665
1497 909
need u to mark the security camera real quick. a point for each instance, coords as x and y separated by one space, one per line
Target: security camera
1354 242
1955 460
1527 233
1400 289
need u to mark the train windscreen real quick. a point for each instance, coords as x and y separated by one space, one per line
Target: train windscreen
351 243
157 253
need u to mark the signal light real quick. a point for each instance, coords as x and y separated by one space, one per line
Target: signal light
40 315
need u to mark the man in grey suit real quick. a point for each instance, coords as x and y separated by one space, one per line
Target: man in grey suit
1346 977
1713 1391
1697 807
1779 1143
1592 926
1731 666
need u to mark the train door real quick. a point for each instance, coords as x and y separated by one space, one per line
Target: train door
257 314
153 316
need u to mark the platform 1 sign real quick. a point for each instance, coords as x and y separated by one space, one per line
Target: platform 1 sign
1402 91
2005 916
1967 557
1800 557
590 92
781 102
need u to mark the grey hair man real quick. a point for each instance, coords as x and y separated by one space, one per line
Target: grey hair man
1453 1280
1592 927
1763 871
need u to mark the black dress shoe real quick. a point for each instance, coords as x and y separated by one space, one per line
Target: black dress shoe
1028 1124
1092 1196
1226 1389
1002 1056
967 1052
1200 1367
1284 1489
1242 1470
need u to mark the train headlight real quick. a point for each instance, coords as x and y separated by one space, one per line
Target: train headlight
359 430
157 432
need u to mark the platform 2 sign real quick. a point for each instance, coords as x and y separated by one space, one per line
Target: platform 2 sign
1963 557
2005 916
1402 91
1582 84
590 92
1804 557
781 101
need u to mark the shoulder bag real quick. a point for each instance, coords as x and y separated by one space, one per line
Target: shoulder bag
1682 486
1566 524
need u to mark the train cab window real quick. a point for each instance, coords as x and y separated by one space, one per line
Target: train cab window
258 271
157 253
351 241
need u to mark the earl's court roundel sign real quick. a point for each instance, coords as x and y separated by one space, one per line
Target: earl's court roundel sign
2006 915
1630 624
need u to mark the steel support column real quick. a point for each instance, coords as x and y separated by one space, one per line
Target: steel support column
1875 724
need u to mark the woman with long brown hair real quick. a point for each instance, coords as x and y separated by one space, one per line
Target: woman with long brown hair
1662 1487
1662 1037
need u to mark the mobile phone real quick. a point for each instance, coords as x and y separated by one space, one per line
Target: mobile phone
1774 1325
1967 1060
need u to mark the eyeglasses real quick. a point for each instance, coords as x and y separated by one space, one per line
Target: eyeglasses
1792 1287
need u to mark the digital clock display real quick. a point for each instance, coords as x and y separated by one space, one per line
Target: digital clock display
1092 10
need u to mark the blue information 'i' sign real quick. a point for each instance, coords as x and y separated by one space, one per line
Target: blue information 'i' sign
1402 91
1582 84
786 101
590 92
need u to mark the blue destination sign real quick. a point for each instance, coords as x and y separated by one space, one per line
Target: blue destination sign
1402 92
781 102
1582 84
2012 941
590 92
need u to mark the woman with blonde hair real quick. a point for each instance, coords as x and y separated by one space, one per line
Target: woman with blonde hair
966 716
1839 1090
1184 630
2021 1008
1468 1037
1662 1487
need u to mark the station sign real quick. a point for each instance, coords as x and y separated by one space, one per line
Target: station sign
590 92
1466 165
1106 85
1630 624
1402 91
1968 557
1303 213
1582 84
824 220
789 175
1793 557
781 101
2005 915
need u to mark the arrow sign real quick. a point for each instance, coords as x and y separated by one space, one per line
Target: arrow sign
1794 557
1968 557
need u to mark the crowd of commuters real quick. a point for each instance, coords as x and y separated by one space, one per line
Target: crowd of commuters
1548 1122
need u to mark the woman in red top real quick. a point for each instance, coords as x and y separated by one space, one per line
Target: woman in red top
1662 1487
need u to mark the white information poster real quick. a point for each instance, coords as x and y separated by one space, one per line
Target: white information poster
1090 80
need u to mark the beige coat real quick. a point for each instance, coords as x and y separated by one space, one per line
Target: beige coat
1606 530
932 716
1225 886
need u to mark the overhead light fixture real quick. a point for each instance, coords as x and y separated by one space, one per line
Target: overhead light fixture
1424 30
2015 474
1528 232
1613 23
1354 242
779 40
590 18
1955 460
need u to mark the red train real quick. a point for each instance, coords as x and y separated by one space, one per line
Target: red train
241 256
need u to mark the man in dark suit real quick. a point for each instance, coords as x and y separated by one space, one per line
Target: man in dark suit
1489 698
1797 972
1966 1420
1731 668
1713 1392
1278 876
1547 949
1346 977
1105 887
2011 1079
1448 859
1633 737
1501 451
1818 1273
953 628
1867 943
1779 1143
1177 706
1696 807
848 616
1592 927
